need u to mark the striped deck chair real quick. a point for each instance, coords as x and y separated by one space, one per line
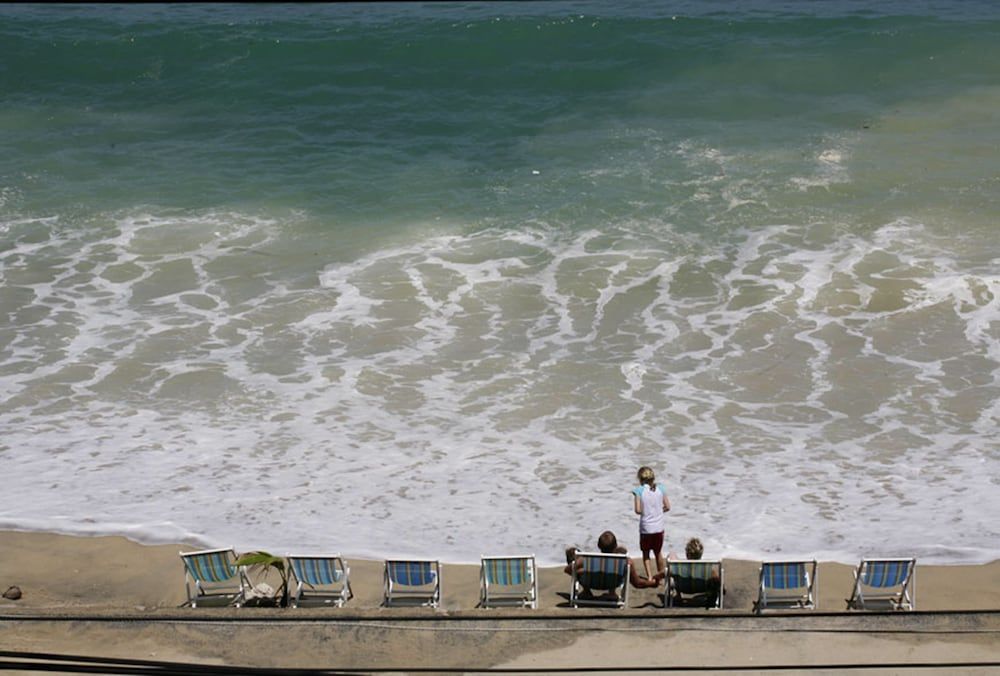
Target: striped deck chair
412 582
508 580
698 582
885 582
215 576
327 577
600 573
786 584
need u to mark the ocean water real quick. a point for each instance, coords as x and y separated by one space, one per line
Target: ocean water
435 280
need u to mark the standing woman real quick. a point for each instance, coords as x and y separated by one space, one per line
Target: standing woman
650 499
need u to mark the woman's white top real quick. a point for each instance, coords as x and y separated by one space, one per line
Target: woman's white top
651 520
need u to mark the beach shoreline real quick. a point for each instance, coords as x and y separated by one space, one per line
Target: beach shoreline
112 571
124 601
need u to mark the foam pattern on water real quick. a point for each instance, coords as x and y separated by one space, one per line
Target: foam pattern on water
800 389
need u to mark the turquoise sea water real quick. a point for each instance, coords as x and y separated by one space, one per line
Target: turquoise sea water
435 279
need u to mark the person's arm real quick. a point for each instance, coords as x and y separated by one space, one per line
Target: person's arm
641 582
575 563
666 500
637 504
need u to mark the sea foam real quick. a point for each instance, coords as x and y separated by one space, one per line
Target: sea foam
800 390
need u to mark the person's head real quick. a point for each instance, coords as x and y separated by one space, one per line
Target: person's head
693 549
607 542
646 476
570 555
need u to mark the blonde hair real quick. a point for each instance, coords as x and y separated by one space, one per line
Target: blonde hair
646 476
694 549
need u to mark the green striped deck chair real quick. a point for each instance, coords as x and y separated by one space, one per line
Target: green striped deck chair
508 580
887 583
595 573
214 575
786 584
412 582
695 583
327 577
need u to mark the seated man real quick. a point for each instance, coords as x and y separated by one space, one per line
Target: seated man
607 543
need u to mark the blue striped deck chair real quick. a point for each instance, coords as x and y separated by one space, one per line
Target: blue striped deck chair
508 580
884 583
412 582
786 584
215 576
695 583
595 573
327 577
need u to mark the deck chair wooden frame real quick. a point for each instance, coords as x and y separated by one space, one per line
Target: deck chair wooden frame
412 582
214 575
327 578
786 585
692 582
508 581
890 583
604 574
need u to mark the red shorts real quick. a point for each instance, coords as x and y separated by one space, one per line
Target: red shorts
650 542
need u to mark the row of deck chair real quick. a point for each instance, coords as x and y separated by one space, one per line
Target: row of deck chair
878 583
214 574
603 580
598 580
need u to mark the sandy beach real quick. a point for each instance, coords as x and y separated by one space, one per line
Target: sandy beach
111 598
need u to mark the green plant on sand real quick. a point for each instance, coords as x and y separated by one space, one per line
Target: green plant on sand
261 562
